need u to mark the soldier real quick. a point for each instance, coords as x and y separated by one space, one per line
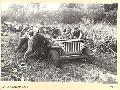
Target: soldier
55 32
29 37
34 41
37 42
9 27
23 38
67 33
77 34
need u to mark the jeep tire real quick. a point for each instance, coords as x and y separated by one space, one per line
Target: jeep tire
54 56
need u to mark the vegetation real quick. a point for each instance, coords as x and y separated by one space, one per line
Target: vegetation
103 69
94 19
67 13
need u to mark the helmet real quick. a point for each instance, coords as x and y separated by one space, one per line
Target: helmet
31 33
76 28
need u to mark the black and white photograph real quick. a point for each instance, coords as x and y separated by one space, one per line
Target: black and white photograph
59 42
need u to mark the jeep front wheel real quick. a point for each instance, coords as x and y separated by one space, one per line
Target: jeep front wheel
54 56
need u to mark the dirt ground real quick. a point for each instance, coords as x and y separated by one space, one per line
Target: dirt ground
13 68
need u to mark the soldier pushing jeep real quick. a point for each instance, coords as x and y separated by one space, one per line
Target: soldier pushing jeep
33 40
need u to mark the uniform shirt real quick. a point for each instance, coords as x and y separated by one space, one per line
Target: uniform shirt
77 34
35 30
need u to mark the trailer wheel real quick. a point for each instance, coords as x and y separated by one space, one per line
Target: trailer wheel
54 56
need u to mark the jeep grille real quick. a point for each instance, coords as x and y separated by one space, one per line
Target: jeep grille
73 47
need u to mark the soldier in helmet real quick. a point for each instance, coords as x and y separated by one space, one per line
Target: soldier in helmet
55 32
77 34
67 33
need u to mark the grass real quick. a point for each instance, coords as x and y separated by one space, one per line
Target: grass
14 68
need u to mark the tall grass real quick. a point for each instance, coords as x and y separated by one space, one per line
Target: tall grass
13 67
